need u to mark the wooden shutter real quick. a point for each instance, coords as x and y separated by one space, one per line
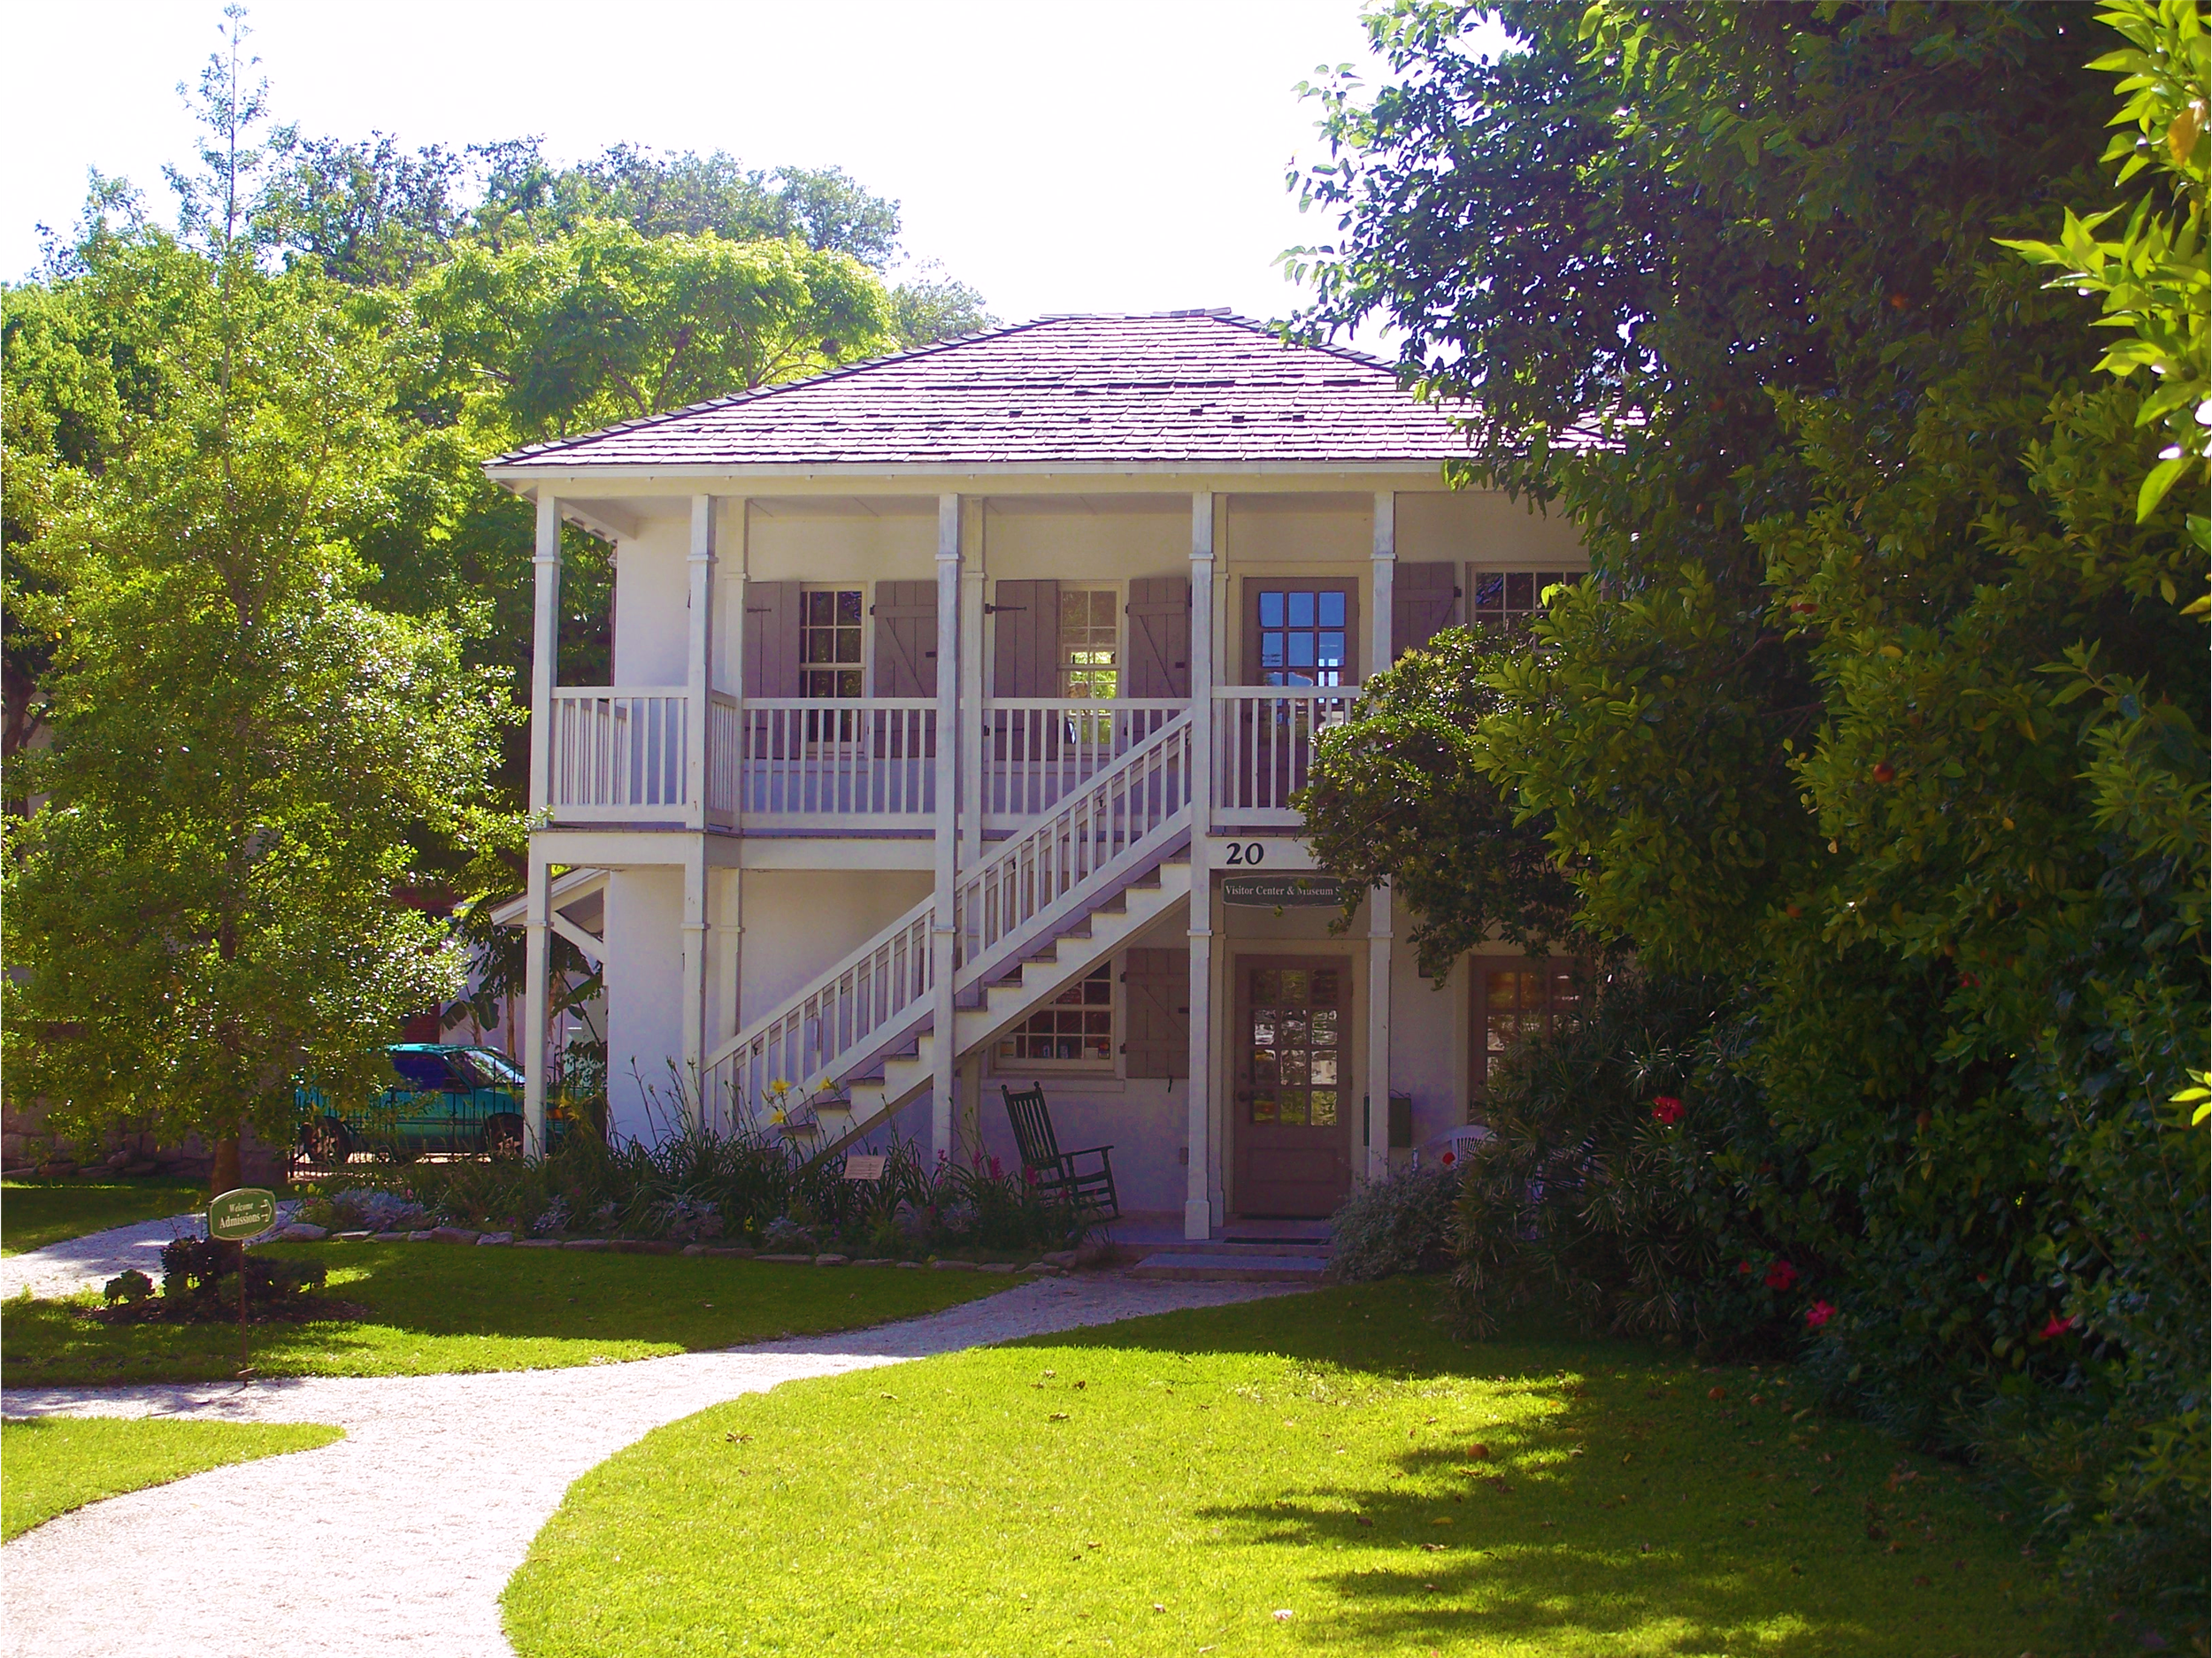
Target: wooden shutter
1025 642
1156 1000
906 638
1159 639
1421 601
772 638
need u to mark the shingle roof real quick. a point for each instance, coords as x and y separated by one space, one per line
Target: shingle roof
1197 387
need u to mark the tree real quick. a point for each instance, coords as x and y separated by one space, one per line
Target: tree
209 901
1726 286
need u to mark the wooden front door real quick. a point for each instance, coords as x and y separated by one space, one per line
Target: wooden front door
1294 1058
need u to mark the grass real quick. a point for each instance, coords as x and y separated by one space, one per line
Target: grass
437 1308
34 1213
56 1463
1294 1476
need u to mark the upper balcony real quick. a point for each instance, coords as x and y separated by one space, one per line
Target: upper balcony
870 765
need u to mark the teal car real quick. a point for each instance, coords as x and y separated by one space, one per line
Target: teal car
449 1098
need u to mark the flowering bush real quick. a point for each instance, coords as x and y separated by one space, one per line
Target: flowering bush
1399 1224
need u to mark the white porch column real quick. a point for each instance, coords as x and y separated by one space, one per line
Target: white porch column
700 660
695 948
1385 569
973 572
945 1068
1198 1216
537 945
537 973
545 647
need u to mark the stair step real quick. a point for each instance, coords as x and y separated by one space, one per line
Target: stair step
1304 1248
1191 1265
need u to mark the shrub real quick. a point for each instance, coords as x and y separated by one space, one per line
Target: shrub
1402 1223
1627 1178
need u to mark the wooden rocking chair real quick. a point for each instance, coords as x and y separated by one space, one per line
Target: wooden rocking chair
1088 1192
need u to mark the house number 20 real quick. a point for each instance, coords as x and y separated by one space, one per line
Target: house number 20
1247 852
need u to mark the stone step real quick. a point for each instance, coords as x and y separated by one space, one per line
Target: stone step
1306 1248
1216 1265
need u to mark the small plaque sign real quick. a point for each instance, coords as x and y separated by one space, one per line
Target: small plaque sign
868 1168
241 1214
1283 892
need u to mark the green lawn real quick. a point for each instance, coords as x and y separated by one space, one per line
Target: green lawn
56 1463
34 1213
444 1307
1295 1476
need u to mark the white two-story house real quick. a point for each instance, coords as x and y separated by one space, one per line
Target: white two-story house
959 701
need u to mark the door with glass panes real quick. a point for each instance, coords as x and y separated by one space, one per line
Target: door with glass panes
1294 1057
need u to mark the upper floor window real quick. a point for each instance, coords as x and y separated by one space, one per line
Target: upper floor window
1302 634
1503 599
829 642
1090 662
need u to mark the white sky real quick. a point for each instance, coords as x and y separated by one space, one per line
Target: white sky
1120 155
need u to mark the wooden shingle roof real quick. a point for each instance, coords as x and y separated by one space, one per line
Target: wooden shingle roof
1200 387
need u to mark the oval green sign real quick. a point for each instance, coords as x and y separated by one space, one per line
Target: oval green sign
241 1214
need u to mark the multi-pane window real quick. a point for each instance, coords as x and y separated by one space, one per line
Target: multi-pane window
1505 599
1090 665
1301 636
1517 1001
1075 1028
829 642
1296 1032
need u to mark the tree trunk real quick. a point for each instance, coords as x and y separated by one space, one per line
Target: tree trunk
224 1176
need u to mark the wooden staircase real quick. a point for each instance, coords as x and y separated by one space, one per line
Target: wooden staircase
1040 909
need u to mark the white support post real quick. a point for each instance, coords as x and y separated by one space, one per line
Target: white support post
530 1026
1198 1216
530 1032
1378 908
700 660
971 705
545 648
945 1068
694 967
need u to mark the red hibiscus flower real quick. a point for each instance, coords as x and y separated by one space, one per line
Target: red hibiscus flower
2057 1327
1818 1314
1450 1157
1780 1275
1667 1108
1743 1269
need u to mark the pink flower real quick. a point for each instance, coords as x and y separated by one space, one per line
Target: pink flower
2057 1327
1818 1314
998 1169
1030 1175
1781 1275
1667 1108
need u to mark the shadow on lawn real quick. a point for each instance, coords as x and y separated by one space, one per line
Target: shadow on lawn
1620 1505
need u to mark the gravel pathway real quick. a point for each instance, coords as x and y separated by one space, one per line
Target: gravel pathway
87 1263
401 1537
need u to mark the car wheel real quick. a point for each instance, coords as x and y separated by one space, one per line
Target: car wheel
502 1134
326 1142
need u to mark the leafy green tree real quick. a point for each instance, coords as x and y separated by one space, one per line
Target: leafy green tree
210 898
1884 705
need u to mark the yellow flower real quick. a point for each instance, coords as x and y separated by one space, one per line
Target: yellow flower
779 1086
775 1117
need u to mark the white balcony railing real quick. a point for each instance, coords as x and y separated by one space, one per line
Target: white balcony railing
617 754
1263 737
799 764
1038 750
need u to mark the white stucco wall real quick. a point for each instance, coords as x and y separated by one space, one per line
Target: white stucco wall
798 922
652 624
645 982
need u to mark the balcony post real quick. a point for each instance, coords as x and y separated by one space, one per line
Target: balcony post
700 656
545 649
1201 1178
1379 909
695 970
945 1061
532 1020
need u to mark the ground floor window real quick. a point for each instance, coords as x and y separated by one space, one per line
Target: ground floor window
1515 1001
1075 1029
1503 599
